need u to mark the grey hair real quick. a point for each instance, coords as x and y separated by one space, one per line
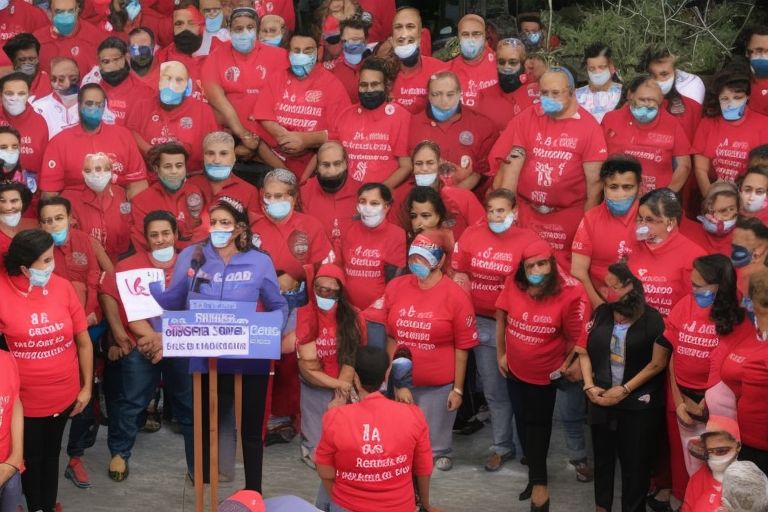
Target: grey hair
219 138
745 488
283 176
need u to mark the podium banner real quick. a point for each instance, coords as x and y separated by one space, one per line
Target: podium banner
222 329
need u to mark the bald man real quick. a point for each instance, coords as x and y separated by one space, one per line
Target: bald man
476 63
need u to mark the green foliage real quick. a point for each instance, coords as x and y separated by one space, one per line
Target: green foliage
701 38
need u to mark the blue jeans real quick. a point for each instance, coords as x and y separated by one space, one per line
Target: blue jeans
571 408
494 388
11 495
325 503
132 381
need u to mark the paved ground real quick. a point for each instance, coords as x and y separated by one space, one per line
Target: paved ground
156 482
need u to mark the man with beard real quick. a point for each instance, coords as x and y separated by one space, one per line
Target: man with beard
141 47
24 52
68 36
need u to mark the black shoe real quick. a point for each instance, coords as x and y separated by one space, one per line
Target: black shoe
544 507
657 505
523 460
280 435
526 494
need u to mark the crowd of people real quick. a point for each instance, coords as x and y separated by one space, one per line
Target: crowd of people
439 237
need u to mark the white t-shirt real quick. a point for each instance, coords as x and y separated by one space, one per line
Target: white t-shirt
690 85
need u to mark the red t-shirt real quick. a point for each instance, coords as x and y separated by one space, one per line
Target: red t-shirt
463 208
727 143
20 16
383 14
334 211
376 447
193 63
665 270
489 259
126 96
556 149
76 262
654 144
364 254
500 107
605 238
432 323
712 244
186 124
347 74
242 77
689 119
476 75
234 187
40 331
81 46
374 139
34 136
470 134
540 333
410 87
156 197
105 217
9 393
758 98
292 243
703 492
750 405
65 153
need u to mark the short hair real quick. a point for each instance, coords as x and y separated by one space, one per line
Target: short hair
755 30
426 144
444 74
23 191
310 34
146 30
619 164
429 195
663 203
113 43
754 225
355 23
529 17
89 87
16 76
384 191
159 215
501 193
26 247
745 488
285 177
371 365
596 50
218 137
22 41
166 148
10 129
758 153
381 65
54 201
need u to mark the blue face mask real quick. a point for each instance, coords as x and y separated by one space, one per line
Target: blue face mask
170 97
274 41
471 48
704 298
442 115
733 112
419 270
644 114
244 41
324 303
64 22
760 66
353 52
220 239
39 277
740 256
302 64
218 172
132 9
279 210
503 226
619 207
536 279
213 25
533 38
171 184
60 236
164 255
91 116
551 106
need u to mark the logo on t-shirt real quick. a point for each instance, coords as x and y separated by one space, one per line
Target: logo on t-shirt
185 123
313 96
467 138
232 74
75 51
298 243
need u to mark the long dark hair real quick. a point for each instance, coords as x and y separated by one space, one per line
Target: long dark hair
551 285
675 103
423 195
718 269
632 304
348 335
26 247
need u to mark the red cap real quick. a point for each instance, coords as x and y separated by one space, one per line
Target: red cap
722 425
331 270
538 249
243 501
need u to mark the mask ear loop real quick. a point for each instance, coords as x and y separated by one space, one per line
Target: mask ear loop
188 90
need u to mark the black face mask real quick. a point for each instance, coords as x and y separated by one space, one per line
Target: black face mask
187 42
412 60
372 99
116 77
334 184
510 83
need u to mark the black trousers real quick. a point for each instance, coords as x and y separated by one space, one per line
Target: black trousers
759 457
42 445
533 406
633 436
254 405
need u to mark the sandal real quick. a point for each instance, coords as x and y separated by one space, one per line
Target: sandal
115 473
444 463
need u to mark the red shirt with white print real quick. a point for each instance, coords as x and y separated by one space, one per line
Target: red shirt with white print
654 144
20 16
9 393
539 333
432 323
475 76
34 136
410 87
80 46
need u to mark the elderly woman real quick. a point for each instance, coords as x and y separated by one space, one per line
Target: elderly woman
622 361
719 214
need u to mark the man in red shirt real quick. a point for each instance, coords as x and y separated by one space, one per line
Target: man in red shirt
188 26
17 16
297 109
354 44
550 156
410 87
476 64
24 51
124 89
173 116
757 53
141 47
18 113
282 8
171 193
357 438
69 36
64 156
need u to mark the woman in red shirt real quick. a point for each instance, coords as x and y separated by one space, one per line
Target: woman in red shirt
328 333
424 210
45 329
753 187
540 315
719 214
432 316
372 252
15 199
11 435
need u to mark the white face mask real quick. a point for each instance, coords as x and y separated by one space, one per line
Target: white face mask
425 180
371 216
601 78
10 157
666 85
405 51
97 181
15 105
718 465
753 203
11 219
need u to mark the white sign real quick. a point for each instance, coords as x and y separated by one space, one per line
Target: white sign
133 286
